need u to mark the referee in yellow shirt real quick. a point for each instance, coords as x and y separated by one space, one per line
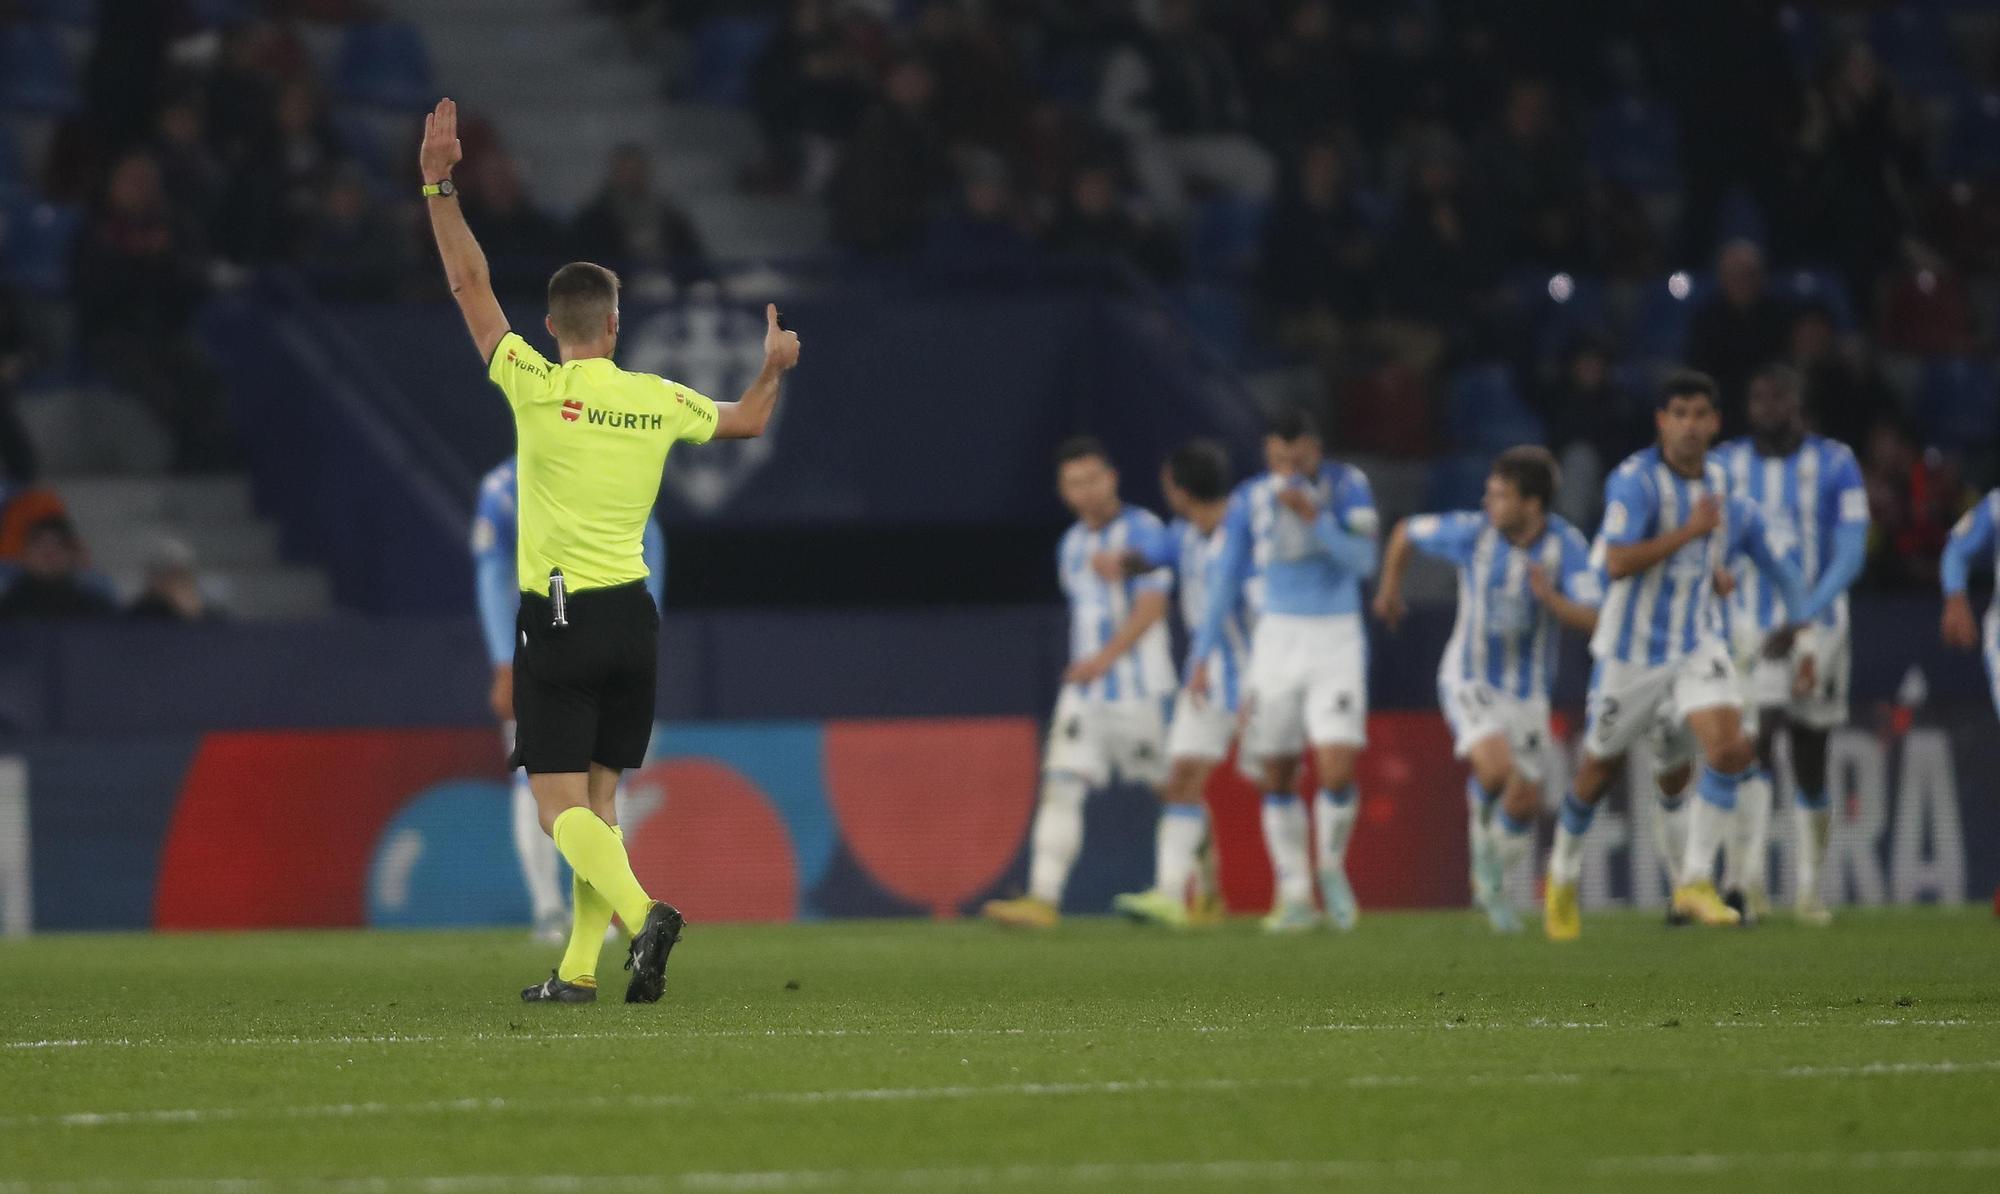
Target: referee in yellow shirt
592 439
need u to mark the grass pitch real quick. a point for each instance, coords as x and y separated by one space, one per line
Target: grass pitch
1419 1053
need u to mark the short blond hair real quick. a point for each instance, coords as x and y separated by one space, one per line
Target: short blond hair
581 296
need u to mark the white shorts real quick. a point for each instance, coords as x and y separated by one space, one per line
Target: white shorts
1767 683
1478 711
1200 730
1308 682
1092 740
1628 699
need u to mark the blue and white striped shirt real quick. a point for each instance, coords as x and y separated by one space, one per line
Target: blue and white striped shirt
1192 556
1503 636
1663 614
1815 512
1098 607
1308 569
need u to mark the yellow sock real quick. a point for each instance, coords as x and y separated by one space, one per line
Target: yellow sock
590 915
597 856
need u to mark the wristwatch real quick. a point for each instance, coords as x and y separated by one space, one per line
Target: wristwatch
441 189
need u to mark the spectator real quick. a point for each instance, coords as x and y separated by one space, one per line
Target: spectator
1863 166
984 227
1913 499
173 592
1173 95
1318 258
192 173
1097 221
809 89
1592 424
523 242
140 275
1927 310
982 97
627 226
1530 175
18 358
1845 396
1303 81
276 191
885 188
351 250
1438 263
1738 331
50 585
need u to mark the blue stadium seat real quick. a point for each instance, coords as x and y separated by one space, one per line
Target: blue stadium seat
1972 150
35 241
79 14
1227 234
1486 411
1637 145
35 72
1958 402
1741 218
1457 482
1816 287
385 63
1915 45
14 177
726 50
1666 308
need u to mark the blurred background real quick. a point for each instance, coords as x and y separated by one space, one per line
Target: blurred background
242 428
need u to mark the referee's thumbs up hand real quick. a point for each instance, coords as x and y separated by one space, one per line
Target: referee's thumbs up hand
781 348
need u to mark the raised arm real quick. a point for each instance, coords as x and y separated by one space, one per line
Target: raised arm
747 417
1349 527
465 268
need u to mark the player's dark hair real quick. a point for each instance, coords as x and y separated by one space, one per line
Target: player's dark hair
1201 467
1291 423
1688 383
1531 469
581 295
1787 379
1081 447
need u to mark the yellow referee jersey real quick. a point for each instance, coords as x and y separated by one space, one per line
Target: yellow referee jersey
592 441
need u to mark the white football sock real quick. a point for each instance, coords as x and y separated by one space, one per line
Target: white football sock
1058 836
1670 831
1285 838
1175 844
1714 800
1815 831
1510 839
1566 858
538 855
1334 814
1750 835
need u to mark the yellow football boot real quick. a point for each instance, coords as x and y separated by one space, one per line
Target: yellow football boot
1560 919
1027 912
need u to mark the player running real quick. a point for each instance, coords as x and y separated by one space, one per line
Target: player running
1111 715
1970 539
1308 527
498 595
1815 511
593 439
1660 648
1195 480
1522 572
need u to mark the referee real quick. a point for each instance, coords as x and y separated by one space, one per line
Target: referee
592 440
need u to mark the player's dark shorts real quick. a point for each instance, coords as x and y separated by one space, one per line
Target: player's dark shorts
583 694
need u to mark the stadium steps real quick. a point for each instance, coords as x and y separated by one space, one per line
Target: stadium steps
560 85
123 518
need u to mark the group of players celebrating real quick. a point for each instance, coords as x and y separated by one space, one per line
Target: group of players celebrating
1714 597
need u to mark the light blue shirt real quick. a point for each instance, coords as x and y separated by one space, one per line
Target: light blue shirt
1098 607
1503 636
1815 513
1192 555
1670 610
495 586
1308 569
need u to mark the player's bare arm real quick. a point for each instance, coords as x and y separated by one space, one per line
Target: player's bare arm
1389 604
1115 566
1622 560
465 268
1576 615
1147 610
1959 628
747 417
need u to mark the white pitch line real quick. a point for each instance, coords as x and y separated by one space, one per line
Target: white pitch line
1878 1068
1112 1173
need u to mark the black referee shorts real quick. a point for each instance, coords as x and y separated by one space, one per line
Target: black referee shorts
583 694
